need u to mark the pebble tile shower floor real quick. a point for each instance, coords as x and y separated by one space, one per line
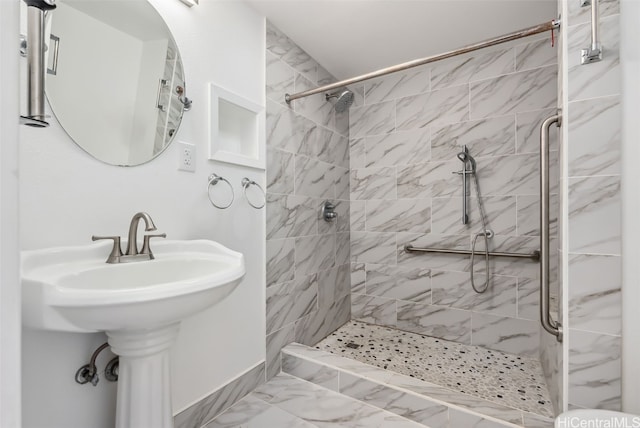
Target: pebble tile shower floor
495 376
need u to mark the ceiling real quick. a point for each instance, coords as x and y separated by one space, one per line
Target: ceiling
352 37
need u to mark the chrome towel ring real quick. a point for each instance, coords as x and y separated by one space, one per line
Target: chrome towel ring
246 183
213 180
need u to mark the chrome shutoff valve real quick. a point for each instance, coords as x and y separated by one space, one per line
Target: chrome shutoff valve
86 374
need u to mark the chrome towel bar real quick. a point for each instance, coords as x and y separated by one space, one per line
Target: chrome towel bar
534 256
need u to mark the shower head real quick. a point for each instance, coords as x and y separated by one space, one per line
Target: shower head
344 100
465 157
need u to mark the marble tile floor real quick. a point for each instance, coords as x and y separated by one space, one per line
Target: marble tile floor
289 402
495 376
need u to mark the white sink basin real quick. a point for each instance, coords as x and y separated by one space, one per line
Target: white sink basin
138 304
72 288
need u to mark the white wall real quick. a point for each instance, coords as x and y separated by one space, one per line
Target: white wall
630 62
66 196
9 287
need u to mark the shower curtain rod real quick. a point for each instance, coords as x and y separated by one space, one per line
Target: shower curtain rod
541 28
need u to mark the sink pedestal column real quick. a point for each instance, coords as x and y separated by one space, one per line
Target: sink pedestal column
144 379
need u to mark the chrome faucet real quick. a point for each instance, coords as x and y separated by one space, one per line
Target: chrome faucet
149 226
132 254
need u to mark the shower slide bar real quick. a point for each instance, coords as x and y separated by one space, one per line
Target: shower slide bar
548 324
534 256
594 52
541 28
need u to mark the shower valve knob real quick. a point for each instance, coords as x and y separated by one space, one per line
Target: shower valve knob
327 211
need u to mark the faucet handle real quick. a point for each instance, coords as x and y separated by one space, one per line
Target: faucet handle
116 251
146 248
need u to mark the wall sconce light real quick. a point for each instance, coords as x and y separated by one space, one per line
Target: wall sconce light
190 2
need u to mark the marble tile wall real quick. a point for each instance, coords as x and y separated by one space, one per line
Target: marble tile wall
308 273
593 250
405 131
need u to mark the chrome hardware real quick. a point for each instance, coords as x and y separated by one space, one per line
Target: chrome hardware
132 254
23 45
112 370
45 5
146 249
327 211
186 102
116 251
89 372
86 375
132 244
594 52
35 46
162 83
56 47
551 326
468 167
344 100
245 185
591 54
213 180
526 32
534 256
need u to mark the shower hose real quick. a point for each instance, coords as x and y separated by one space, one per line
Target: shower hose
486 233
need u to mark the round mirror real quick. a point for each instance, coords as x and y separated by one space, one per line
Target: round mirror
115 80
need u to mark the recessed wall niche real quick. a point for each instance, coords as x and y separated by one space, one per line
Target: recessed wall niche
236 129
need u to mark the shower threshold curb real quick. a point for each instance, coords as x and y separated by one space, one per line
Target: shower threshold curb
423 402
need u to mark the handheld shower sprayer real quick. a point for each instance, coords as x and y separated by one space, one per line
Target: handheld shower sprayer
466 158
469 168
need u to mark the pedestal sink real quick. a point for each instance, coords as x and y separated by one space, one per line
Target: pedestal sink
139 306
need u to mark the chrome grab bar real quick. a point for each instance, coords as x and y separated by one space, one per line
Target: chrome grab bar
553 327
534 256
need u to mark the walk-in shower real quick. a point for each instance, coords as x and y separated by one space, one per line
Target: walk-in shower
421 144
